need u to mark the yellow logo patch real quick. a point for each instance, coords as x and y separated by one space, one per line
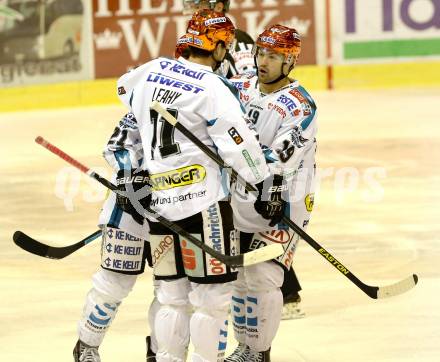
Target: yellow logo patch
309 201
177 178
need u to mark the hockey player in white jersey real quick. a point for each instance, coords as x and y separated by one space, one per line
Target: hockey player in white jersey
124 248
284 116
189 188
238 61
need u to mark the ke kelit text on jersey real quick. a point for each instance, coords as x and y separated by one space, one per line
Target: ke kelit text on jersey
122 264
175 83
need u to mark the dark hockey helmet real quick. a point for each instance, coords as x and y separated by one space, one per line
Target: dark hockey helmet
190 6
280 39
206 28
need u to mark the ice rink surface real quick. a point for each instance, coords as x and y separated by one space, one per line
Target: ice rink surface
377 211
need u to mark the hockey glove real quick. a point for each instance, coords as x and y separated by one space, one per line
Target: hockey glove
270 204
137 192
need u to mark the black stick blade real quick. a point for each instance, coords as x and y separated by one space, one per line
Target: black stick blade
30 245
52 252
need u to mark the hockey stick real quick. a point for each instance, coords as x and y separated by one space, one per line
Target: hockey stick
254 257
372 291
52 252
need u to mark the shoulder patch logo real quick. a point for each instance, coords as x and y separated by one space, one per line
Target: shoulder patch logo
235 135
121 91
309 202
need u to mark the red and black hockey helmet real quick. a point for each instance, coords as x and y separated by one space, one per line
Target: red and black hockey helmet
206 28
280 39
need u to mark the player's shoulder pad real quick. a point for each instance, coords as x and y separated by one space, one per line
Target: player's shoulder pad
128 121
127 82
298 102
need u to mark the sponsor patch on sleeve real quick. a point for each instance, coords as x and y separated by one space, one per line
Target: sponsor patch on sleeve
235 135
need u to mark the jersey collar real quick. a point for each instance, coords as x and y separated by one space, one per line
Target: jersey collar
201 66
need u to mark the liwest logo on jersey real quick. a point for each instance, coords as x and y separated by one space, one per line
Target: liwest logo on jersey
177 178
235 135
175 83
181 69
213 235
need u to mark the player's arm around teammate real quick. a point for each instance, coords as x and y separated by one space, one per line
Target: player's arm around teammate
284 115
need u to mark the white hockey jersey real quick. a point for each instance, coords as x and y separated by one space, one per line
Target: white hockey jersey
185 180
285 121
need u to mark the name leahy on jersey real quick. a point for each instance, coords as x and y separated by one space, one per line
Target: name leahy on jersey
285 121
184 180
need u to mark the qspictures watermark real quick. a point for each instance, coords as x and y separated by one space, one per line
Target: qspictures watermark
72 186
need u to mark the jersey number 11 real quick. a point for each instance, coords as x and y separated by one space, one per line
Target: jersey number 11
167 146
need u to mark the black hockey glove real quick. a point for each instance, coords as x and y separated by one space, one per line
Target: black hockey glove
270 203
137 193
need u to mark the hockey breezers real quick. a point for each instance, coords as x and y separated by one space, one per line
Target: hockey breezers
240 260
372 291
